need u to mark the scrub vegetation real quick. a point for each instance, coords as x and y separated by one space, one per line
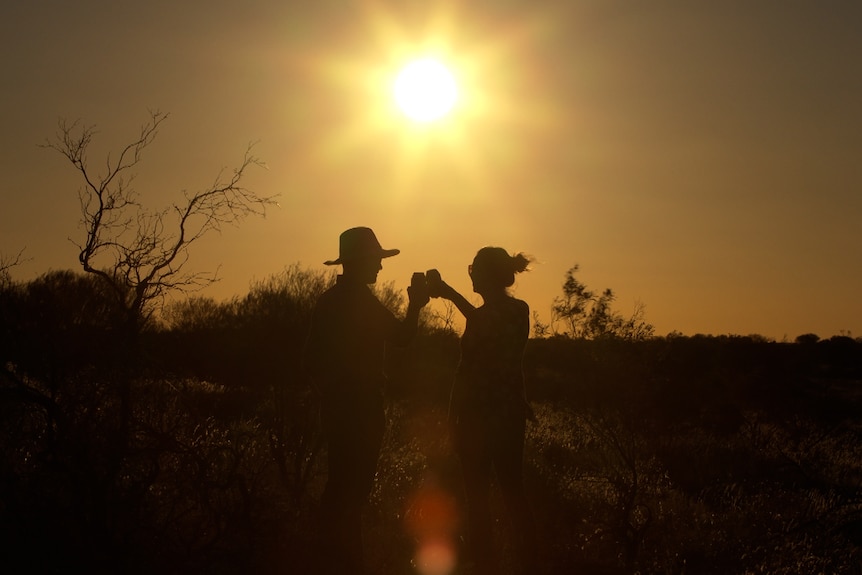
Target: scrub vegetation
194 446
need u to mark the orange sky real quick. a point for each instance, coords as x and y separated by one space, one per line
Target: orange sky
701 158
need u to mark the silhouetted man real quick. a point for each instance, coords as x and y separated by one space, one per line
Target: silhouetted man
345 354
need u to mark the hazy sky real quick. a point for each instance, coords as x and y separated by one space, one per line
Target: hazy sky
703 158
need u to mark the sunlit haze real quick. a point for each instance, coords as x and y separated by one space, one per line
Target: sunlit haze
701 158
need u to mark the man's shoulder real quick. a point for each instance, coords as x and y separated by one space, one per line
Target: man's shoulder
329 298
343 293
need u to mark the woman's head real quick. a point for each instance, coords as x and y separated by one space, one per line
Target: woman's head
494 268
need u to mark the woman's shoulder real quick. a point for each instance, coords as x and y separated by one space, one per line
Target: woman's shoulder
520 305
511 310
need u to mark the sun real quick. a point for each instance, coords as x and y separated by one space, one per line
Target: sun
425 90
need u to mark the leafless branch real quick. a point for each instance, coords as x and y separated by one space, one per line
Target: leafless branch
147 251
8 263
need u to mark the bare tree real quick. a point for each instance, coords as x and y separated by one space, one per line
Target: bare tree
7 263
142 254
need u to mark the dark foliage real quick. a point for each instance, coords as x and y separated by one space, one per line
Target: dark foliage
654 455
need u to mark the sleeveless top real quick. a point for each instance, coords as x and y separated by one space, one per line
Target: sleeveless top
490 377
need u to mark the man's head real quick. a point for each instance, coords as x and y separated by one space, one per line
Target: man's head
363 270
360 254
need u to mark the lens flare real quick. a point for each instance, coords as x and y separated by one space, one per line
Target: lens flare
432 520
435 557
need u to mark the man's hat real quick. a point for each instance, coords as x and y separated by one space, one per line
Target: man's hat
359 243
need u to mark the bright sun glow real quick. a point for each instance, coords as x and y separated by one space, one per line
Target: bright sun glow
425 90
427 102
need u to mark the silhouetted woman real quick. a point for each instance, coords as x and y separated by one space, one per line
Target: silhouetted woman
488 407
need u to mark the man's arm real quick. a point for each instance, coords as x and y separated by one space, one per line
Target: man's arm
405 330
417 298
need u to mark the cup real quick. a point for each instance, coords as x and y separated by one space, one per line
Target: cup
435 282
418 281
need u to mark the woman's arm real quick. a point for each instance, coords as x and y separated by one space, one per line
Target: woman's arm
464 306
438 288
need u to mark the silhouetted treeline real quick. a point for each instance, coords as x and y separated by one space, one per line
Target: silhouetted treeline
193 446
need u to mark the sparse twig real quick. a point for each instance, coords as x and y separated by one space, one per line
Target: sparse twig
143 254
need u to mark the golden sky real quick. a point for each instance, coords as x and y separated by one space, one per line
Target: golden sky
704 159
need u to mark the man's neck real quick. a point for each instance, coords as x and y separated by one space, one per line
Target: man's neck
350 279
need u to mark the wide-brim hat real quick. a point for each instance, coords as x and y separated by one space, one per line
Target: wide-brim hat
357 244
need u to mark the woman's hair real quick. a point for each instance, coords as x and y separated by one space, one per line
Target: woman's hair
496 265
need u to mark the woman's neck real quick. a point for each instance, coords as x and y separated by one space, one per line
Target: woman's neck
494 295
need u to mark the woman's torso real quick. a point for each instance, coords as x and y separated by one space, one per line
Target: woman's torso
490 371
